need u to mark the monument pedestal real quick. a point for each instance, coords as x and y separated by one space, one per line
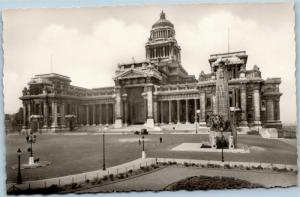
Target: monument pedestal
143 155
231 143
149 123
118 123
31 161
202 124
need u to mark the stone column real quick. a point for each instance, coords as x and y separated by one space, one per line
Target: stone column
94 114
214 102
62 115
45 116
54 114
125 109
87 115
106 113
24 116
202 109
170 111
278 109
155 112
243 106
118 107
29 114
256 102
178 111
150 121
161 112
186 111
100 114
270 110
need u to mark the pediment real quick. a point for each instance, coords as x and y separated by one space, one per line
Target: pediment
132 73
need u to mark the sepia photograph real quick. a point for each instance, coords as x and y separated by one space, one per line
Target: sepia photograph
156 97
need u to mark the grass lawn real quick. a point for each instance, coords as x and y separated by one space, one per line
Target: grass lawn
81 153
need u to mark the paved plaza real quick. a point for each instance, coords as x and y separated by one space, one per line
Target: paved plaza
72 154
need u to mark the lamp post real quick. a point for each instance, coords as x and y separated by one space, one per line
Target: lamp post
31 139
19 177
103 148
222 144
143 150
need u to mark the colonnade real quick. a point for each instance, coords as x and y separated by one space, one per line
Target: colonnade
158 110
53 114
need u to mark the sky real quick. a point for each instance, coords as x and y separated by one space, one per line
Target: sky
87 44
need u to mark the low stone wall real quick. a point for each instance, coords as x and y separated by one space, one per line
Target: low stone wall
232 164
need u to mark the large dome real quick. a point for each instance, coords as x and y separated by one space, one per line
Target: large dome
162 22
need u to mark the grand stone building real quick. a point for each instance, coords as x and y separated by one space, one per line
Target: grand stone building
154 92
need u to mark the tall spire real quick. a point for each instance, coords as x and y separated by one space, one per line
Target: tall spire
162 15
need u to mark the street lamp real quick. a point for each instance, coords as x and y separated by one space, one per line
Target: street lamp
103 143
222 144
19 177
143 150
31 139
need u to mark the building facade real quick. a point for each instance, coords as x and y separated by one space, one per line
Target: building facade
154 92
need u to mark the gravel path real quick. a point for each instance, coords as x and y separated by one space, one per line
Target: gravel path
160 179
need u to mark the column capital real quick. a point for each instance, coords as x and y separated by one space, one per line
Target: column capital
243 87
256 87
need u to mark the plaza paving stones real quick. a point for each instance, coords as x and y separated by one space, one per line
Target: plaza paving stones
196 147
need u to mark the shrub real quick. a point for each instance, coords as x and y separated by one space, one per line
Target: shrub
121 176
206 182
95 181
274 168
87 180
154 166
75 185
130 171
227 166
280 169
105 178
111 176
210 165
185 164
259 167
248 168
